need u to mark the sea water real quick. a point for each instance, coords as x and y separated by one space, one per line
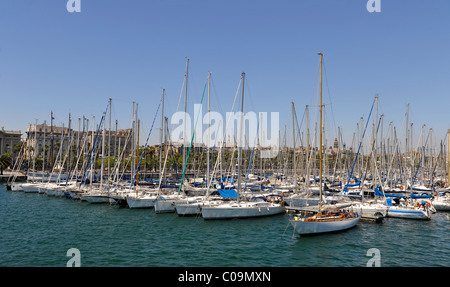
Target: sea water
38 231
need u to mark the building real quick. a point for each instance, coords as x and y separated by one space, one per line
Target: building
46 136
9 139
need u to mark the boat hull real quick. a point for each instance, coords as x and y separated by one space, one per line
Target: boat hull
370 209
442 204
408 213
189 209
16 187
235 210
165 205
319 227
141 202
96 199
30 188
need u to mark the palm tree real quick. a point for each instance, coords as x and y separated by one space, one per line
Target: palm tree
5 161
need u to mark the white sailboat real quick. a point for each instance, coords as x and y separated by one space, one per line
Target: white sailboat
239 208
97 194
323 221
441 202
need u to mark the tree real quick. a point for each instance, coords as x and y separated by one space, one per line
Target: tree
5 161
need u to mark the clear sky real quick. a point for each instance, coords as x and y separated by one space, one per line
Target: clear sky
53 60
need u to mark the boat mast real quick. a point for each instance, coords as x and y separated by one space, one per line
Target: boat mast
320 128
240 140
43 156
161 135
137 152
209 132
307 148
103 155
185 107
34 150
109 141
294 165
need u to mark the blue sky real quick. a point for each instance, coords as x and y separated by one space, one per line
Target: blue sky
53 60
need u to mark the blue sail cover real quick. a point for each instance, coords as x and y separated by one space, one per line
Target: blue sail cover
420 196
354 184
228 193
379 193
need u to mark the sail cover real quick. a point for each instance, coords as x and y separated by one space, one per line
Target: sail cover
228 193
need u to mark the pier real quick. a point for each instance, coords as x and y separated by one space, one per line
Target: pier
8 174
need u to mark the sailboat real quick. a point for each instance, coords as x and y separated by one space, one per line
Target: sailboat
240 208
441 201
407 207
97 195
325 220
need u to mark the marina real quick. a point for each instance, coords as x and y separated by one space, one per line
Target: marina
311 193
179 134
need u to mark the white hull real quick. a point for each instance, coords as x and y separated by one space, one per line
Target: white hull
59 192
192 206
408 212
49 192
41 189
165 205
189 209
441 205
241 210
370 209
141 202
16 187
30 188
96 198
74 194
317 227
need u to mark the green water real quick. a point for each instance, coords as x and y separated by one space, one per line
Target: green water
37 230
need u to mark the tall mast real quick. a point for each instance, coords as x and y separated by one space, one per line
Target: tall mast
103 153
240 139
34 151
406 137
161 135
43 156
185 110
109 139
293 140
133 140
51 139
137 152
209 132
320 129
447 166
307 147
93 155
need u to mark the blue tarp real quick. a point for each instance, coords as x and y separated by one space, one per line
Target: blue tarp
228 193
354 184
420 196
379 193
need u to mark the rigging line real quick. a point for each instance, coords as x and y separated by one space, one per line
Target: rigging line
251 159
219 154
354 162
329 96
420 161
192 139
298 127
215 96
145 146
94 148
